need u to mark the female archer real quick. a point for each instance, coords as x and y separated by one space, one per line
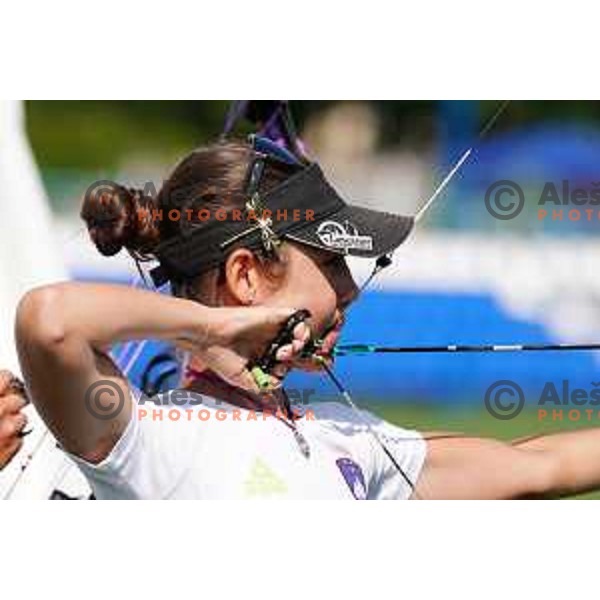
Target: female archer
236 281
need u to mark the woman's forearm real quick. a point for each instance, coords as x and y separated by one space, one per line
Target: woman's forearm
575 456
105 314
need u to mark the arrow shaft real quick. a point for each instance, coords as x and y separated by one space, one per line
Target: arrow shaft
358 349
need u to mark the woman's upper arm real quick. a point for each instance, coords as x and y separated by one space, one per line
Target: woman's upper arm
78 390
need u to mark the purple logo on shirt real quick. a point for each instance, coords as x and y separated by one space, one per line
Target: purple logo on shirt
353 476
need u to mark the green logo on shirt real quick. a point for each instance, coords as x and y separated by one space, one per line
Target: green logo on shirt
262 481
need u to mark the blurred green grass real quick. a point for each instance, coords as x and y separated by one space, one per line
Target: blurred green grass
474 422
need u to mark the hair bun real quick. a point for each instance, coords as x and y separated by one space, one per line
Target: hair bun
120 217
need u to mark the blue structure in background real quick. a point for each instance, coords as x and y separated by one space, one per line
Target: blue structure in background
550 151
544 153
458 124
439 319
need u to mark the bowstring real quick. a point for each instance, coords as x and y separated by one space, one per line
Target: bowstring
385 261
348 398
437 192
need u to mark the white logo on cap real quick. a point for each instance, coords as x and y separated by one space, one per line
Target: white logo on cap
343 236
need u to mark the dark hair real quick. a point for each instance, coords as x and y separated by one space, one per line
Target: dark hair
213 177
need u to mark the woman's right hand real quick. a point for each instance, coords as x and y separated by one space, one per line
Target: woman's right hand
236 337
12 419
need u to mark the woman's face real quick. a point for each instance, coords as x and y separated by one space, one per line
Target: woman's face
311 279
319 281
